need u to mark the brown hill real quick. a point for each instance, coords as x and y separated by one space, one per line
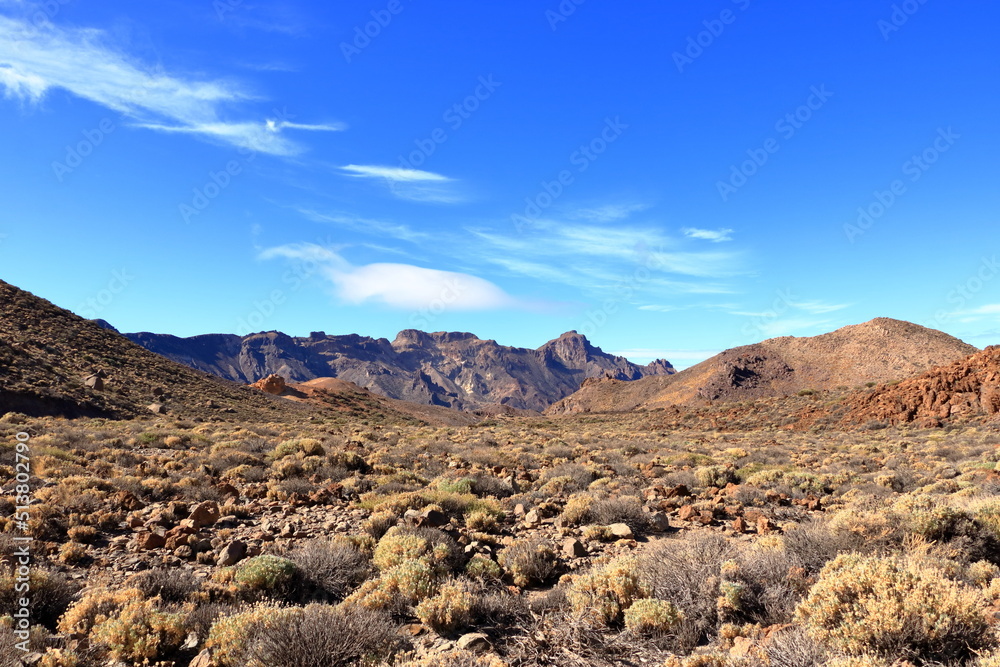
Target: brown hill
881 350
968 388
455 370
53 362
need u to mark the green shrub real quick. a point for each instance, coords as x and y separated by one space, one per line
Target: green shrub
267 575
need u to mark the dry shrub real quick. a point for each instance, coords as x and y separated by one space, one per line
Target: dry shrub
379 523
627 510
324 636
174 585
897 608
50 592
528 561
330 569
793 647
651 617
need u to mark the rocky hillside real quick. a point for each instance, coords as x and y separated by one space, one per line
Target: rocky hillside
455 370
53 362
968 388
881 350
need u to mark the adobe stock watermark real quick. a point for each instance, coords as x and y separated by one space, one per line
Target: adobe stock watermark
75 154
714 28
47 10
223 7
218 180
21 554
901 13
786 127
92 308
298 274
624 290
454 116
424 317
965 292
914 169
759 324
562 13
581 159
363 35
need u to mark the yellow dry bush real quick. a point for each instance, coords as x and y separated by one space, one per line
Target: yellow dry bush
94 607
605 593
230 635
447 610
577 509
896 608
58 657
405 584
140 631
651 617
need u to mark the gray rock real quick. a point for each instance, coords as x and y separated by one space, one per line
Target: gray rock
475 642
232 554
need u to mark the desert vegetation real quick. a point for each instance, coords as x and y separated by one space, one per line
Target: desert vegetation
727 536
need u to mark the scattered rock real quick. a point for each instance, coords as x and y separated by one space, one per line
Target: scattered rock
232 554
203 659
573 548
204 514
146 541
621 531
475 642
272 384
157 408
432 518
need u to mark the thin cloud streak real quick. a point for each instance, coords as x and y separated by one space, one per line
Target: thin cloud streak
83 61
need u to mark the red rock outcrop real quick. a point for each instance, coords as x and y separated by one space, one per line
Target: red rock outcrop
968 388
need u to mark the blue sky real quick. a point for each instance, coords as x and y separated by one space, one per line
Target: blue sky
669 180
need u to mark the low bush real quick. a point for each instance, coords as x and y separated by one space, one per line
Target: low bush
528 561
896 608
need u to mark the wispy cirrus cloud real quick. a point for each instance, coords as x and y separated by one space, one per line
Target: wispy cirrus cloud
86 63
402 286
411 184
713 235
368 225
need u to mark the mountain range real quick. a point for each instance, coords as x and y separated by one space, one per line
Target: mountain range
454 370
879 351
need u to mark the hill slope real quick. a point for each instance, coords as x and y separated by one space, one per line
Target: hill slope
47 353
967 388
456 370
881 350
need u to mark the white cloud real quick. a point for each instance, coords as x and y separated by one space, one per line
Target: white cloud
402 286
713 235
84 62
608 213
989 309
397 174
818 307
411 184
395 231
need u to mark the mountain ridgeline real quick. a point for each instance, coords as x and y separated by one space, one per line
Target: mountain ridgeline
455 370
